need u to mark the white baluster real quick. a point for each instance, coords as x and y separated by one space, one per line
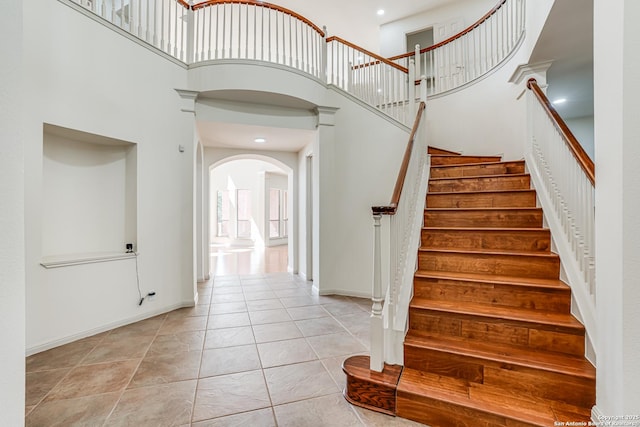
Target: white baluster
377 326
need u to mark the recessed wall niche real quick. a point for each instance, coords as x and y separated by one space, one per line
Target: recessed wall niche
89 204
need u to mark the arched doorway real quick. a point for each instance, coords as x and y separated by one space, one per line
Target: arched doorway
251 205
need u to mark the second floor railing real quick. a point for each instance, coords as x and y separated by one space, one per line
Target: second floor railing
254 30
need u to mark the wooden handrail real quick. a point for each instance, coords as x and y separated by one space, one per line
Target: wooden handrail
402 174
455 37
371 54
184 4
261 4
576 149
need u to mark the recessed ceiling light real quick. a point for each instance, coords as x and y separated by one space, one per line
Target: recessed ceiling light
380 12
260 140
559 101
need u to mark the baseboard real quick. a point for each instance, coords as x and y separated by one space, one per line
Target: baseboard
597 416
343 293
85 334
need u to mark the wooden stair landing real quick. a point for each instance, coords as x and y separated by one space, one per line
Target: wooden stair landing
491 338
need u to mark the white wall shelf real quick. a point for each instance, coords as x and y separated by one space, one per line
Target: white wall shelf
88 258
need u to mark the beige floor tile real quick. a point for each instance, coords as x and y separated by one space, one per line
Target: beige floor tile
260 418
299 301
225 290
65 356
376 419
167 368
334 366
195 311
185 324
222 298
297 382
233 320
276 332
38 384
229 360
94 379
321 326
147 327
229 337
324 411
259 295
156 406
265 304
120 347
230 394
285 352
269 316
228 307
309 312
177 343
79 412
343 308
334 345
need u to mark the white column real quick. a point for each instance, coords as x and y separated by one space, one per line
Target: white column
617 158
12 258
323 186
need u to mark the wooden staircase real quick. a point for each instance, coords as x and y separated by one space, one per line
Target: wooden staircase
491 339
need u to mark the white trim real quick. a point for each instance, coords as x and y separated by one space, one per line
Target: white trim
88 258
598 417
526 70
105 328
343 293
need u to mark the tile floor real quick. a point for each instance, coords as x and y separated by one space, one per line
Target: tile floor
258 350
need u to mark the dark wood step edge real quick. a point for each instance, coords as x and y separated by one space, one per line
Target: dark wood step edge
368 389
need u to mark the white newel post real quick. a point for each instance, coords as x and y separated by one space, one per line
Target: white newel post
323 54
190 56
412 86
377 327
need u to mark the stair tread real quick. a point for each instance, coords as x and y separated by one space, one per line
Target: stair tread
475 177
566 321
478 163
481 251
480 192
489 278
476 396
532 209
503 353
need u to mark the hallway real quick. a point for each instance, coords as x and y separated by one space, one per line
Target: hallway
261 349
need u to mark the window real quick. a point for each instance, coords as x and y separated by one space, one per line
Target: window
285 215
243 198
223 213
274 213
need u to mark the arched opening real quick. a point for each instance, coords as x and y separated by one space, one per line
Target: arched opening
251 216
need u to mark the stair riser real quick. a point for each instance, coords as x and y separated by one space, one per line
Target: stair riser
480 184
546 267
457 160
517 240
520 199
477 170
489 219
501 331
539 383
557 301
435 150
437 413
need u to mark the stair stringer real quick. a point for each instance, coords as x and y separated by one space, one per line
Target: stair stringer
583 304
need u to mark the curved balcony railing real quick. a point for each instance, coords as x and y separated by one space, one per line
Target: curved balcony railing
472 53
254 30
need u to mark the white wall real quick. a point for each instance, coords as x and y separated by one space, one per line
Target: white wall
393 35
617 130
106 85
12 282
358 159
582 129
